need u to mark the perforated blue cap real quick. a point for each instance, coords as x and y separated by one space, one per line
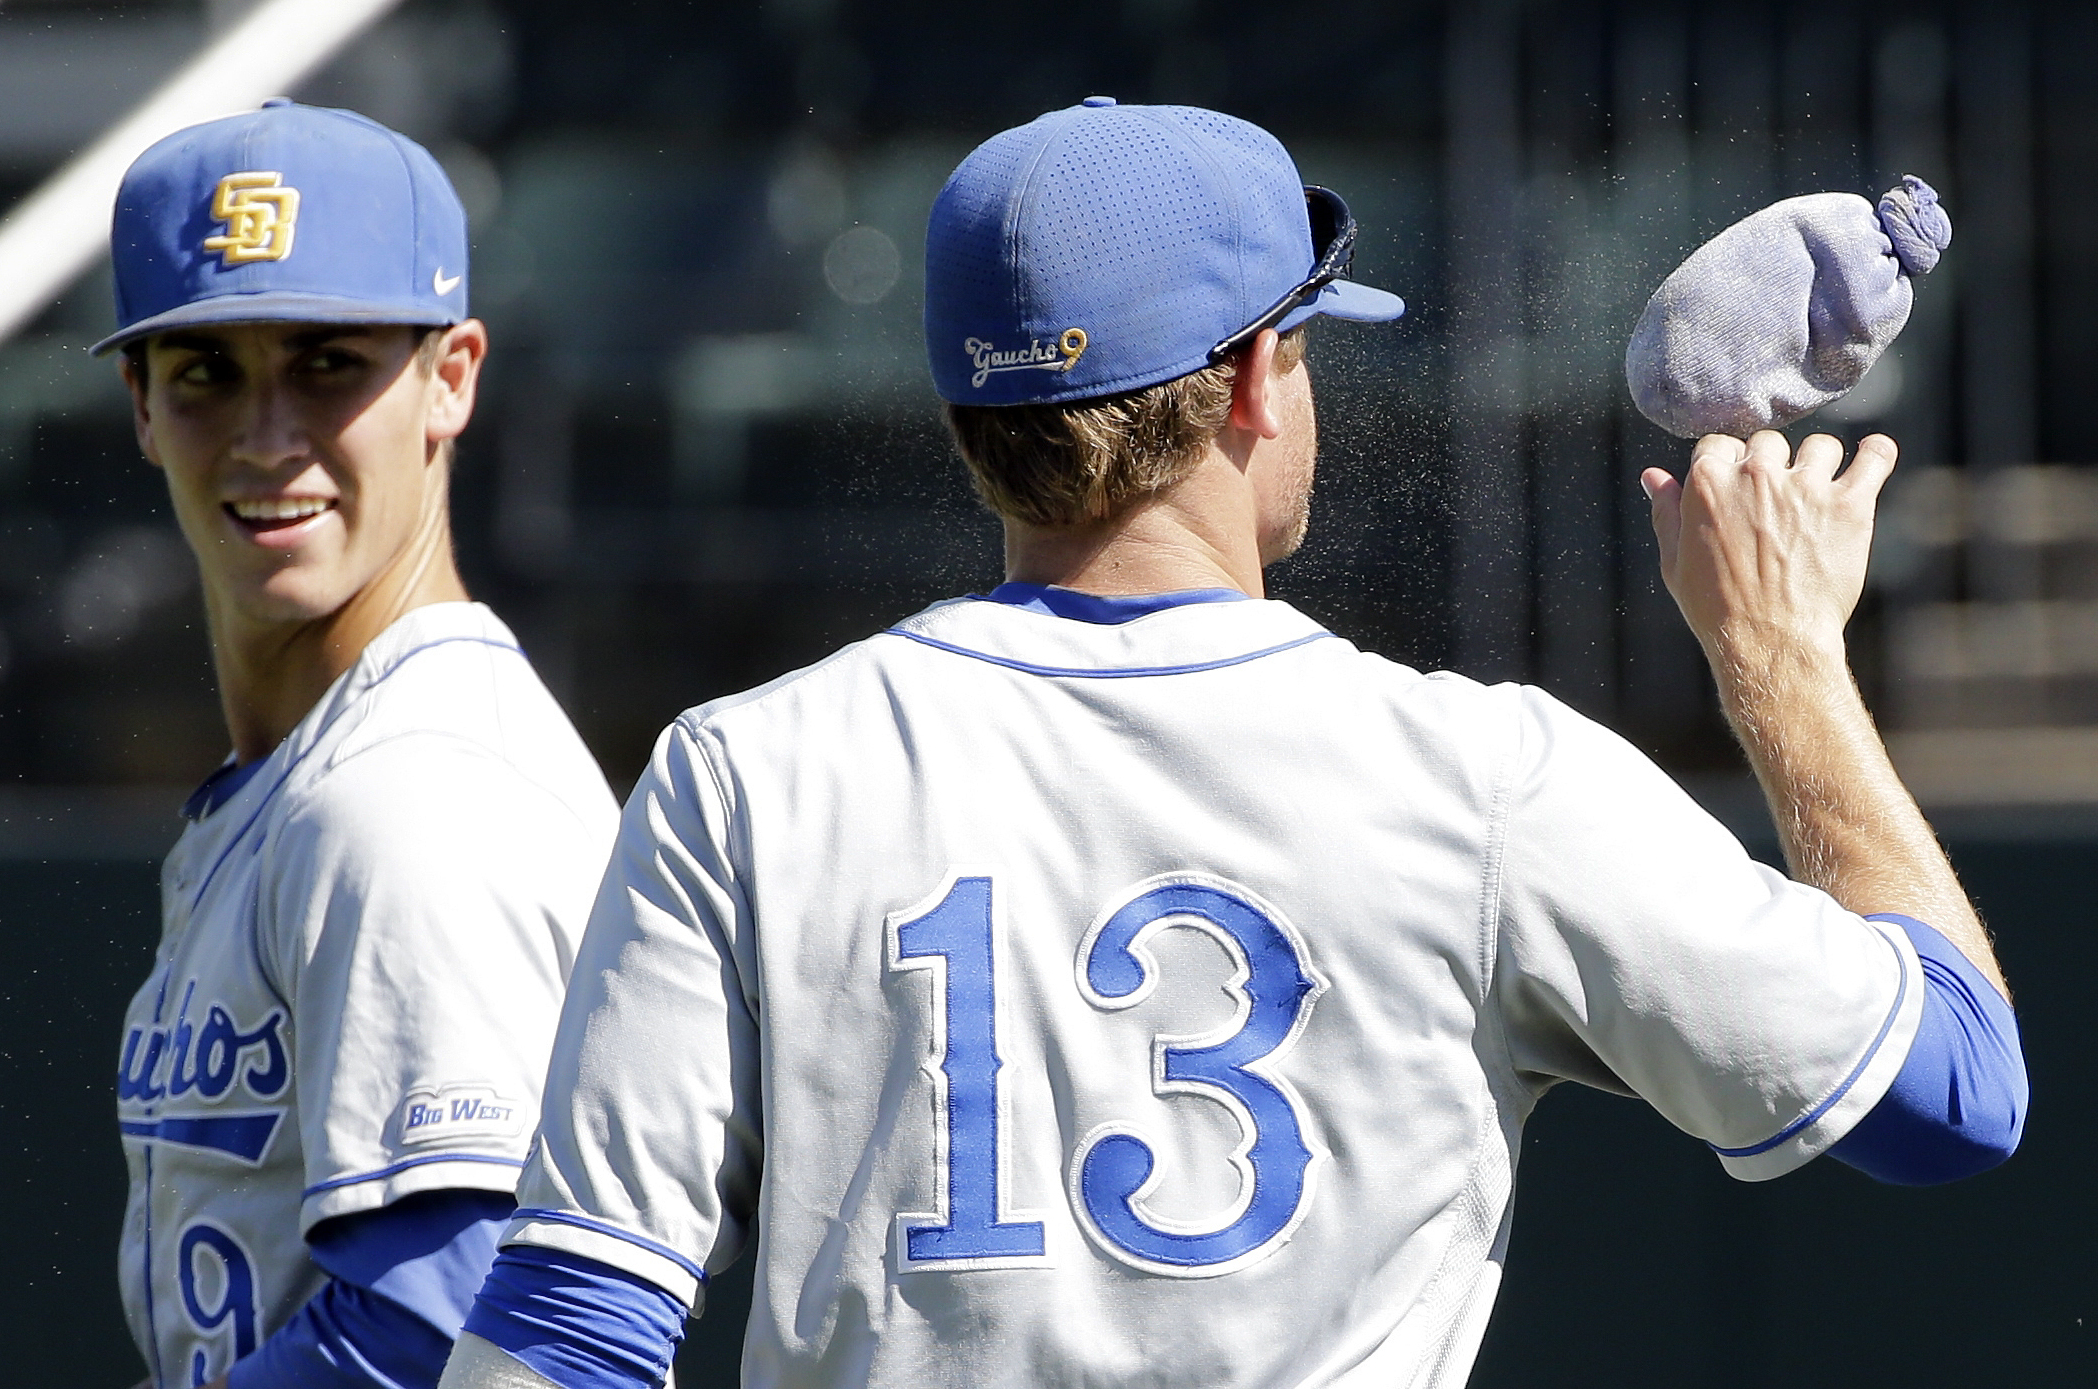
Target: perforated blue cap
1105 248
298 213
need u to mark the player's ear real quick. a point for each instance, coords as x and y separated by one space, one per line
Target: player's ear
1253 387
133 368
455 376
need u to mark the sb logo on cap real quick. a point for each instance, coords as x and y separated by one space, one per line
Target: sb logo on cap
260 217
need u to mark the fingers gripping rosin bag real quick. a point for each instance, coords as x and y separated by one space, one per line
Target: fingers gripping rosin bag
1782 312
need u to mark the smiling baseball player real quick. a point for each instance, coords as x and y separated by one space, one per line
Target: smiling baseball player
331 1078
1119 978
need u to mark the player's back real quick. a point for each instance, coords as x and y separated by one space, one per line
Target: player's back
1030 903
1157 1001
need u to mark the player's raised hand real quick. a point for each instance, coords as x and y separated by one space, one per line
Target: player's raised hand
1764 551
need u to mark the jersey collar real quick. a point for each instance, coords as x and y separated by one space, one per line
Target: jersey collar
221 786
1177 638
1105 609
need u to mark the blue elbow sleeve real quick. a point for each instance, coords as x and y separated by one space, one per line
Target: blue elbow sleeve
578 1322
400 1281
1958 1105
347 1337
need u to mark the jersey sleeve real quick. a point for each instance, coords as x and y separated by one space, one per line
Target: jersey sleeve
660 1029
1640 949
427 901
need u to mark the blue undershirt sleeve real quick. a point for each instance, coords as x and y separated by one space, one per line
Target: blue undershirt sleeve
1958 1105
578 1322
400 1282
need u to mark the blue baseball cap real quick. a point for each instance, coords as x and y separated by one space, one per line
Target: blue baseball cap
1105 248
290 213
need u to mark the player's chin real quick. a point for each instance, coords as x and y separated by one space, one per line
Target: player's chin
293 593
1282 544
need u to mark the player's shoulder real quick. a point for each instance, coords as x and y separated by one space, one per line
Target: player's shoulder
1550 729
432 803
841 677
1494 735
1456 694
443 715
844 667
445 665
455 668
1472 717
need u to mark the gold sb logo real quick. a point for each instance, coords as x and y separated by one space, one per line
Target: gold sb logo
260 217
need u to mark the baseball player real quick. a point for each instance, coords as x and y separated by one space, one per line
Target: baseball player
330 1080
1119 978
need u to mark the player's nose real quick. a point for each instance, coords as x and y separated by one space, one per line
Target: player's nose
269 430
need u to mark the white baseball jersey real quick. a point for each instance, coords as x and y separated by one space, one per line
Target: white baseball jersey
1158 1002
362 959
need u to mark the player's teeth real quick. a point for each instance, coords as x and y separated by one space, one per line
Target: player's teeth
280 508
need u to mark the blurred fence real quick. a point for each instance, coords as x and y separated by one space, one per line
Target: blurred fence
709 449
1991 583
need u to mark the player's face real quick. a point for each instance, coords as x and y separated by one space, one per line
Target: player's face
1283 485
303 460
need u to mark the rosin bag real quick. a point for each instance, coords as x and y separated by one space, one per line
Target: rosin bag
1782 312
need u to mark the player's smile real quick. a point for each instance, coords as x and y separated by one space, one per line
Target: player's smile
279 522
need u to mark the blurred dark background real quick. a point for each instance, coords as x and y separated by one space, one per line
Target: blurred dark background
708 452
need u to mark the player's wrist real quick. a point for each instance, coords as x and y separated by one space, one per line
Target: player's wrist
1789 702
1752 654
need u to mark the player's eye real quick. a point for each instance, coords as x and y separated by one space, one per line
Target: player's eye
332 364
209 369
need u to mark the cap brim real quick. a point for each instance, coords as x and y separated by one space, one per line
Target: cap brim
276 307
1346 299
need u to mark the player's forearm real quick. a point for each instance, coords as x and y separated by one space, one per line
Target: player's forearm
1847 824
1765 552
475 1364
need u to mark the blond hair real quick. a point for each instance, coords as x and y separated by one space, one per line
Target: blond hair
1090 460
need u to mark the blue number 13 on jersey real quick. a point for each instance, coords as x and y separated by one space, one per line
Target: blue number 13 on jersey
1113 1168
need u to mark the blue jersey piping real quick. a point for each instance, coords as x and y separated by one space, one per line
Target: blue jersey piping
584 1222
404 1165
1108 673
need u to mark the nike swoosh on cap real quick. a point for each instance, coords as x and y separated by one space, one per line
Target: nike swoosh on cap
442 285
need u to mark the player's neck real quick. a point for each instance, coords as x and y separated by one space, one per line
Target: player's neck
272 673
1201 533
